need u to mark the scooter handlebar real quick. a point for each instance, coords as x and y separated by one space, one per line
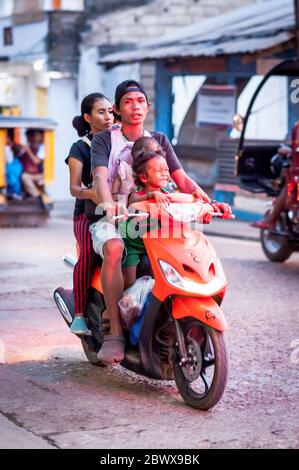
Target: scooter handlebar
220 214
137 214
144 215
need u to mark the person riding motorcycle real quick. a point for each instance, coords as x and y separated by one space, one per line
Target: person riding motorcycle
96 115
279 163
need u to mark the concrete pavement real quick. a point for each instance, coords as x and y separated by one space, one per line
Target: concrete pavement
232 229
15 436
49 391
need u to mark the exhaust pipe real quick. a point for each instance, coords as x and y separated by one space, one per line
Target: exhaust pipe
69 261
63 300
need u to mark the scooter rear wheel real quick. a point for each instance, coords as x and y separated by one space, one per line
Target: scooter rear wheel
64 299
201 381
276 247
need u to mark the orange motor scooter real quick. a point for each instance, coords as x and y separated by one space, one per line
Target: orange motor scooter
181 336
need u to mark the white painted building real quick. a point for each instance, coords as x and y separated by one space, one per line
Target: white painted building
45 71
28 84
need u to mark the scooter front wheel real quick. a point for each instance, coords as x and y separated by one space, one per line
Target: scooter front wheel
201 377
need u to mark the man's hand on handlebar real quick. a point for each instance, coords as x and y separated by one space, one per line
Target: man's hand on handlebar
205 215
222 207
200 194
114 209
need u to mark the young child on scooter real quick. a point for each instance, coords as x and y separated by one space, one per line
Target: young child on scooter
125 178
151 175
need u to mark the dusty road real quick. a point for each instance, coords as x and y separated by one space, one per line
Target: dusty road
51 397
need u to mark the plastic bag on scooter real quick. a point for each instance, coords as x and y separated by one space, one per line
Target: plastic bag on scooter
136 328
133 300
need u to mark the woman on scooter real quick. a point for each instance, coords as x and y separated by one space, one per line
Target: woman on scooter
108 148
96 115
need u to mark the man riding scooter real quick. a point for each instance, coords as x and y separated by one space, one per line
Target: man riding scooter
173 321
108 148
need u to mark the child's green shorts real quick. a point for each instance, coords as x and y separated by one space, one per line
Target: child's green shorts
132 232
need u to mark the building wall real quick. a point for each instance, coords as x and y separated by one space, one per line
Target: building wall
17 87
113 25
28 40
122 28
132 25
89 75
100 7
33 6
63 41
148 78
62 108
70 5
6 8
55 41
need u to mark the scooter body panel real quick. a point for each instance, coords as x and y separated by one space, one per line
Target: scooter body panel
96 280
192 256
206 310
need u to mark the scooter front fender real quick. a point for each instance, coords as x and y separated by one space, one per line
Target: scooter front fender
206 310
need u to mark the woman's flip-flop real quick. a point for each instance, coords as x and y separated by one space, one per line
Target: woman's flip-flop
112 351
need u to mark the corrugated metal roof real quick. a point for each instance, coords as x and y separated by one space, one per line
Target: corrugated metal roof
254 27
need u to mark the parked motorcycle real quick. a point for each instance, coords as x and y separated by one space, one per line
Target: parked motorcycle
182 334
260 163
279 241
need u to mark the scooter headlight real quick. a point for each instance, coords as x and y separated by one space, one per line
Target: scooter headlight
171 274
175 279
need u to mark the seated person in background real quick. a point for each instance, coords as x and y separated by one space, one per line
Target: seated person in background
280 203
13 168
235 131
33 155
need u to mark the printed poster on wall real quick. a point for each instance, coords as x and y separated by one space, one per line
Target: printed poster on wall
216 105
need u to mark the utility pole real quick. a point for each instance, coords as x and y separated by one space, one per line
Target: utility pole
296 5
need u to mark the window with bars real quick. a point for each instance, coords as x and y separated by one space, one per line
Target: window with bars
7 36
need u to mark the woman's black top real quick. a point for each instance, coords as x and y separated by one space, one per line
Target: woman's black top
81 151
